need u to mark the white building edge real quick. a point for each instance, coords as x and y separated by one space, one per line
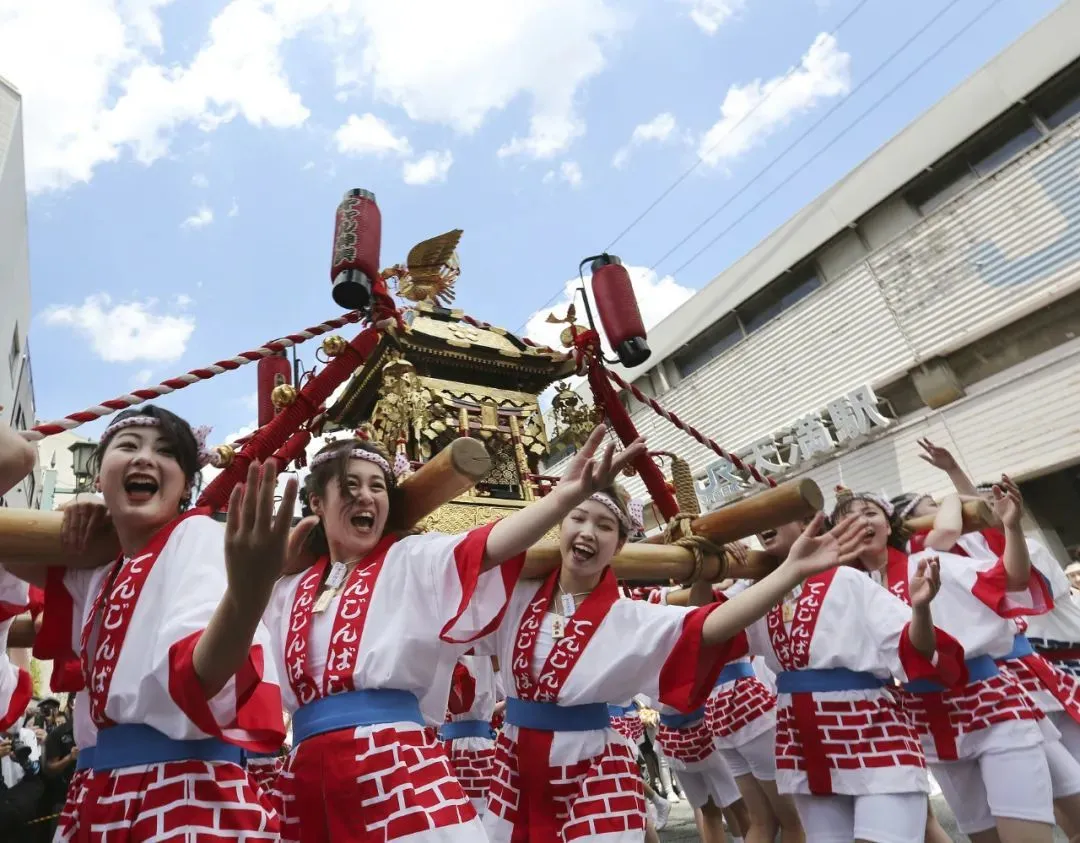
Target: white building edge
16 383
943 273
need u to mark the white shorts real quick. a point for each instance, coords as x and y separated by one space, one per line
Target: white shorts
756 757
1011 784
1070 732
1064 770
715 782
877 817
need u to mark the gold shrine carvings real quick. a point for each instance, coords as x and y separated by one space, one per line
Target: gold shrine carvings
460 516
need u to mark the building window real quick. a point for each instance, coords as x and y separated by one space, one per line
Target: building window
19 420
786 291
993 147
13 355
708 345
1059 99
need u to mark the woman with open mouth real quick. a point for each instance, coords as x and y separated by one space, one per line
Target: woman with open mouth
368 638
570 645
982 741
169 638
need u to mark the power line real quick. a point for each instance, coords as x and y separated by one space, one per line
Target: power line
794 67
846 129
806 133
701 159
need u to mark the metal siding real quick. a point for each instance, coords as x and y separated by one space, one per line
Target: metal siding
1006 247
1024 426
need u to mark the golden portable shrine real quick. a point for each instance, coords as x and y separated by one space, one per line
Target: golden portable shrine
458 399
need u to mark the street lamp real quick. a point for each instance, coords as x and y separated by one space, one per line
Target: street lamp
81 452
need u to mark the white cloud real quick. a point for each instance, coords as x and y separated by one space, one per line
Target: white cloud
310 165
656 298
570 172
549 177
710 15
126 331
93 90
369 135
659 129
752 112
234 209
182 300
430 168
200 219
141 378
490 53
199 180
97 89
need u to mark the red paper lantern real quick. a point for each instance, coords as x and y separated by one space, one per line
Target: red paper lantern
619 314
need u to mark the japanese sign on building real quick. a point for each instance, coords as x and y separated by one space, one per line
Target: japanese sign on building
842 421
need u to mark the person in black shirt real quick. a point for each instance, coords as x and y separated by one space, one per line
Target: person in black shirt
61 754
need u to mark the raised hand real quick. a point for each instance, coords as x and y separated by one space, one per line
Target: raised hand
924 586
1008 503
814 552
939 458
84 518
297 557
587 474
257 539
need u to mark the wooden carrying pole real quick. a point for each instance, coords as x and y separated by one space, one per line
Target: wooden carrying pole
977 516
789 501
30 535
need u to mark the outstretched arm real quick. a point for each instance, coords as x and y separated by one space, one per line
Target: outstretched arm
516 533
1009 508
17 458
255 549
948 525
922 588
942 459
810 555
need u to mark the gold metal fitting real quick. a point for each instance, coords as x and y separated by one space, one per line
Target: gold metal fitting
333 345
283 396
226 455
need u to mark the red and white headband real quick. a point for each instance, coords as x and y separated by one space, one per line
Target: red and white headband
401 466
629 524
200 433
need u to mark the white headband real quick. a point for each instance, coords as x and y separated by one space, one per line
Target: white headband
359 454
200 433
628 524
909 507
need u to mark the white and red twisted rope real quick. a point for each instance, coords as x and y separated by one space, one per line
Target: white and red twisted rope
693 431
138 396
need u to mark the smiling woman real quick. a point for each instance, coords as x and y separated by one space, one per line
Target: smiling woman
173 666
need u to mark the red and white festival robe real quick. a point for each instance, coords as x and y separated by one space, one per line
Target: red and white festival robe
1051 674
975 607
473 695
585 785
625 718
852 742
404 616
16 687
743 708
85 732
135 624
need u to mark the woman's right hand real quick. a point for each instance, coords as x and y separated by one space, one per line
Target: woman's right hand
84 518
298 558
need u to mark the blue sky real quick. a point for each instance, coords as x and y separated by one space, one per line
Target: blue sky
185 158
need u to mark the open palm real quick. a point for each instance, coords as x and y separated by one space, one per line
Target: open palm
924 586
1008 503
814 551
587 474
940 458
256 539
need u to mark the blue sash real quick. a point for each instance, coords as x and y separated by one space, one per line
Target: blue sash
551 717
621 710
134 744
370 707
735 670
85 761
829 679
466 729
1021 648
681 721
979 668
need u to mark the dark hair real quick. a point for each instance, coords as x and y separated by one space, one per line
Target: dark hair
337 470
176 432
898 533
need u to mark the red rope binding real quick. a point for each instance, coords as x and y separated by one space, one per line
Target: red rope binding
693 431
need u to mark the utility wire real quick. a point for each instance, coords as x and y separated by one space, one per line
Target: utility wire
701 159
841 133
806 133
